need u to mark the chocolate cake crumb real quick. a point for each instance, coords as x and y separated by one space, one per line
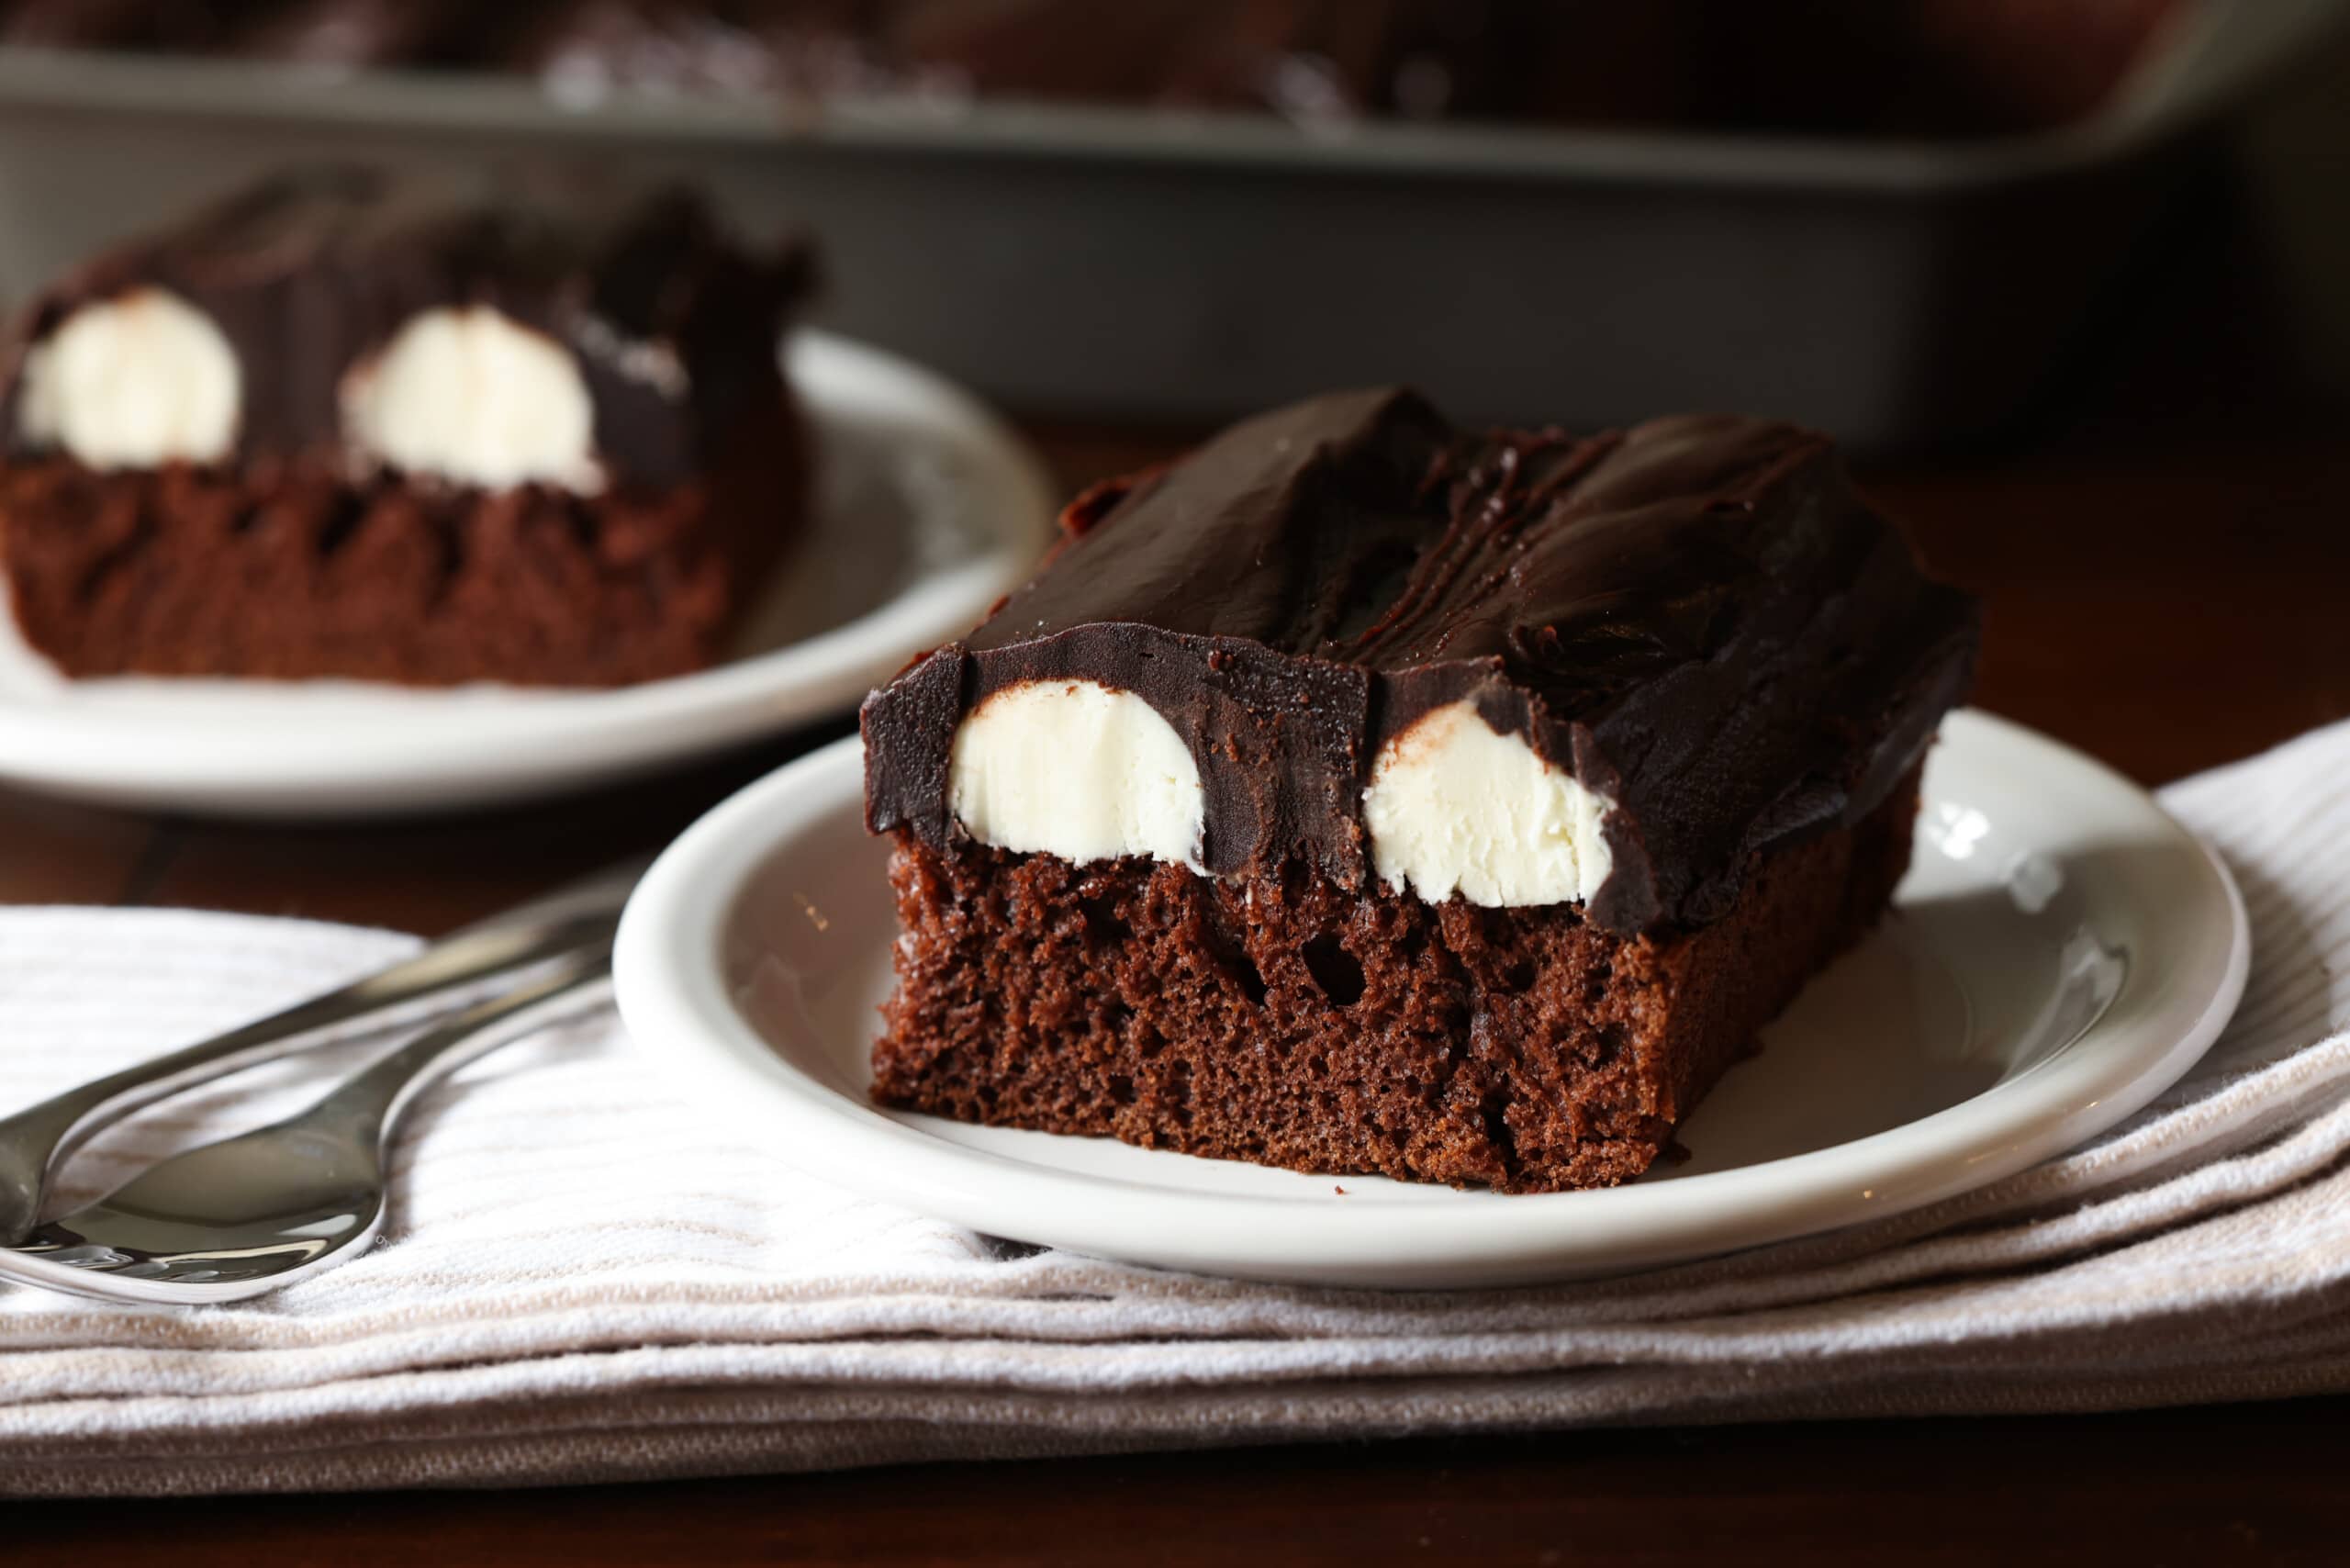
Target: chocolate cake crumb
1288 1020
267 572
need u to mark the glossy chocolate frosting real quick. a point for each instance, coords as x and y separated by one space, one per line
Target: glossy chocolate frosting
1696 618
309 273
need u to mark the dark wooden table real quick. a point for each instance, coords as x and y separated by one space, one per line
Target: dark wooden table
2164 567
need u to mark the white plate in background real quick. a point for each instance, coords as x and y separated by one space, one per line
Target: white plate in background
2062 952
929 507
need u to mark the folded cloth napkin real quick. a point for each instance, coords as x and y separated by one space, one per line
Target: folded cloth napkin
585 1281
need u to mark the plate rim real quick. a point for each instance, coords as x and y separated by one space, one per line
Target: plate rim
113 754
673 1000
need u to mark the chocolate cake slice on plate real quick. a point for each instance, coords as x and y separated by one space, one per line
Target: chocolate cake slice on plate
341 424
1363 794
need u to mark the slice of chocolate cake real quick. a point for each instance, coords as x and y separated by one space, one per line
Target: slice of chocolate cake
1362 794
341 425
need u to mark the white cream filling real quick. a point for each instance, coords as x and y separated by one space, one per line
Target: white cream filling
1073 768
1454 807
143 379
469 395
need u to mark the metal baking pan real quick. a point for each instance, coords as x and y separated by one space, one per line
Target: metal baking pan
1122 264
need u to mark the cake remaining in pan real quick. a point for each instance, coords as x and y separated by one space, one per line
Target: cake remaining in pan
340 425
1360 793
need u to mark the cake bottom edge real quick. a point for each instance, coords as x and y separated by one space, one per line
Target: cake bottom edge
1289 1021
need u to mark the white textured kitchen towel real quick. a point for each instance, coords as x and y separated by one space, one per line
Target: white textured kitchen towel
587 1280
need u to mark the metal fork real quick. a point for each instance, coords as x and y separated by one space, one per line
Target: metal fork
257 1212
34 1140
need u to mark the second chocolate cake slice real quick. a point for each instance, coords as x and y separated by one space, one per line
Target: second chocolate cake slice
1363 794
344 424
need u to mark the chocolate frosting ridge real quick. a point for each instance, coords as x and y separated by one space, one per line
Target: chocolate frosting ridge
1698 618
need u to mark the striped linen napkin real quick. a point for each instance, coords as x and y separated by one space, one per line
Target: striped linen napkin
586 1281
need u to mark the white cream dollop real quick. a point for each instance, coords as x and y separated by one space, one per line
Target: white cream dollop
133 382
1076 769
1452 806
467 393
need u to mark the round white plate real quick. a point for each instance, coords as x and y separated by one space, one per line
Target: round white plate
2062 953
929 507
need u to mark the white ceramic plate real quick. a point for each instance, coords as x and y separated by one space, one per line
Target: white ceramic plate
929 508
2063 952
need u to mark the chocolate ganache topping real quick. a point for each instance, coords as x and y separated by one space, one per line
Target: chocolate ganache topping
1697 619
308 274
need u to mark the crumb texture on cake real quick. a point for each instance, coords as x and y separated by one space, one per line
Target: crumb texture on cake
190 570
1289 1020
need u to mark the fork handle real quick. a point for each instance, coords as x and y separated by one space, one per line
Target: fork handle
377 1096
34 1140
